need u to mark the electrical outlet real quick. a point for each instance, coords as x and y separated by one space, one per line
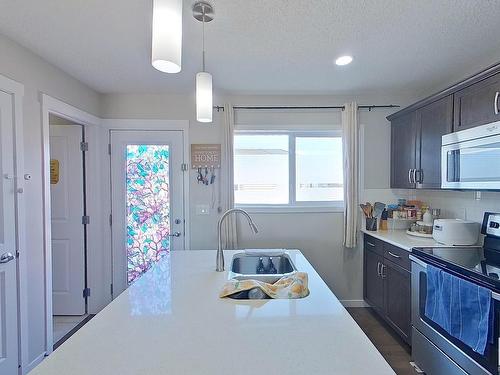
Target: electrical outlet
202 209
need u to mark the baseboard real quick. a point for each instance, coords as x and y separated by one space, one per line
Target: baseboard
354 303
33 363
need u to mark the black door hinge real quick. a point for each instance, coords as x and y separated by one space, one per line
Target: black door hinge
86 292
85 220
84 146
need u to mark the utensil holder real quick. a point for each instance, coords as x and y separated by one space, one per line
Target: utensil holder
371 224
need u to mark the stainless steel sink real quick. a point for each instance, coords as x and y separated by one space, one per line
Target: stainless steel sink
263 267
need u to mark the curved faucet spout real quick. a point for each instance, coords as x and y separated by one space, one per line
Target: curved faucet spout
219 266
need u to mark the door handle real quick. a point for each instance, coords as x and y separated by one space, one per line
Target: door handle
6 258
495 105
175 234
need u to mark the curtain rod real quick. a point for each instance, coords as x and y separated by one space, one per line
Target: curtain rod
369 107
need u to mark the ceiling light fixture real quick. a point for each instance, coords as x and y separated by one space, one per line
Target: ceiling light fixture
343 60
166 43
203 12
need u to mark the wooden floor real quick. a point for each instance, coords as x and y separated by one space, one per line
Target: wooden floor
392 348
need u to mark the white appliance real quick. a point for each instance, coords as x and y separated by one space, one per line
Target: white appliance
469 158
455 232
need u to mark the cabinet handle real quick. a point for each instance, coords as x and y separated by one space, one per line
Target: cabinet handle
378 269
369 243
409 175
496 102
382 268
394 255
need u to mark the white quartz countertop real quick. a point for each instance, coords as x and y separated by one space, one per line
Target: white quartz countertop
171 321
400 238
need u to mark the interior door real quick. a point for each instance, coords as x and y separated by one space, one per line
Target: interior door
8 269
67 209
147 201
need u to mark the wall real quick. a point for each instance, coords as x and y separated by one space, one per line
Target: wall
38 76
318 235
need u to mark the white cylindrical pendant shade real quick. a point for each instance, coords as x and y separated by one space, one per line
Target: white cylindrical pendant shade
167 35
204 100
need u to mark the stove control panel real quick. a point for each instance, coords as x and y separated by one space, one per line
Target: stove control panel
491 224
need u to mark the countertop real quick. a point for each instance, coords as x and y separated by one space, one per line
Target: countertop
399 238
171 321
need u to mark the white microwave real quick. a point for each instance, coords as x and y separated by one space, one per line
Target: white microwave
470 159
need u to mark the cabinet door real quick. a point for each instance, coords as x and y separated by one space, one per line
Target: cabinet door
373 283
397 298
403 151
477 104
433 121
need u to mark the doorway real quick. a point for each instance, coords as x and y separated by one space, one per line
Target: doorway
68 226
147 201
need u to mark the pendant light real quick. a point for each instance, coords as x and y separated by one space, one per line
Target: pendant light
203 12
166 48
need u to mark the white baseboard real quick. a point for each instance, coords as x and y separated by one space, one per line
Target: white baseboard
354 303
33 363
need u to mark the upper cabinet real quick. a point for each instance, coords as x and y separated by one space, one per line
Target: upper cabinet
433 121
416 131
403 151
477 104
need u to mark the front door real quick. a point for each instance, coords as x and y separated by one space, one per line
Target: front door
8 284
147 201
67 209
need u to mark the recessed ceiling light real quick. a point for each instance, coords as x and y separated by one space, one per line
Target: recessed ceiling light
343 60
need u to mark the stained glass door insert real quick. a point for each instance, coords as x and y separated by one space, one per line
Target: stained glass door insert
148 207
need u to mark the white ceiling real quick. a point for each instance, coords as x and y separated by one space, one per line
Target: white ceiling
265 46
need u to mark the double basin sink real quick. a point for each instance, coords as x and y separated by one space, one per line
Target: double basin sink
264 267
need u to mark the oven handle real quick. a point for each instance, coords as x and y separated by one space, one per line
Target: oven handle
494 295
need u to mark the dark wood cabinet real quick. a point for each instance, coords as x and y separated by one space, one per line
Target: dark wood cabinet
477 104
397 298
387 283
403 151
433 121
373 282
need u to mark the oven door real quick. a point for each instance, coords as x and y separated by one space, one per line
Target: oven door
461 354
471 164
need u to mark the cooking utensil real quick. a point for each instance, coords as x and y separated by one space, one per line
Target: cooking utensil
378 209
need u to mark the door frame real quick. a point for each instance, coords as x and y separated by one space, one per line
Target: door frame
148 125
16 90
95 275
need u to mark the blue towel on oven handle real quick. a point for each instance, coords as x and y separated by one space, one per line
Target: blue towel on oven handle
461 308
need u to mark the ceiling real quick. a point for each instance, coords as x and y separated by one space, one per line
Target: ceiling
265 46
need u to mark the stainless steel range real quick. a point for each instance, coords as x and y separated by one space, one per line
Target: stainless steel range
434 350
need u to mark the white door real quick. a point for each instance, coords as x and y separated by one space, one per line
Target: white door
8 283
147 201
67 209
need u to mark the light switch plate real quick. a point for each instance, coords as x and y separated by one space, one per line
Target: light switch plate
202 209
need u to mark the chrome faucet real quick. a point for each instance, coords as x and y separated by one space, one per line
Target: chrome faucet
219 265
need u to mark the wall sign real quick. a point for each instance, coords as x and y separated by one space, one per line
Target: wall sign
205 156
54 171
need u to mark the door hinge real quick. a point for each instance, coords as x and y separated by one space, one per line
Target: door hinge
184 167
86 292
111 288
85 219
17 254
110 219
84 146
109 148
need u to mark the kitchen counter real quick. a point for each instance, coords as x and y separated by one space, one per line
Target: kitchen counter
171 321
399 238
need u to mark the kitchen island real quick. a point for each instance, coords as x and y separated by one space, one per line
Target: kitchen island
171 321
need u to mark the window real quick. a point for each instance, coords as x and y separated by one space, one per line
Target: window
288 169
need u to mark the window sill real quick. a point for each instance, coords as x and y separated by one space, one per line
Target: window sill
290 209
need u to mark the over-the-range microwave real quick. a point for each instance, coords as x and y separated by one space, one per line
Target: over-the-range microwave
470 159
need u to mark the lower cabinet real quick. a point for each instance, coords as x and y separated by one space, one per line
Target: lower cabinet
387 284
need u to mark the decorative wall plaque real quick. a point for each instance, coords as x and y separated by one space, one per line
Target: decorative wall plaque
205 156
